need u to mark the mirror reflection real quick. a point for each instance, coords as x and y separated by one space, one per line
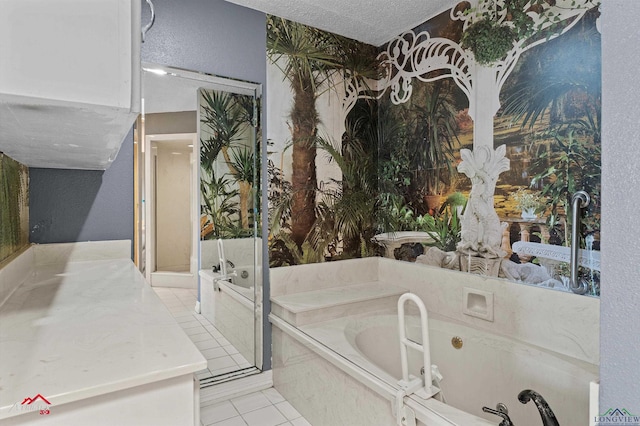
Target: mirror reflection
201 207
228 185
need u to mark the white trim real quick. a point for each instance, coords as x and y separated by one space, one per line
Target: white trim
235 388
212 81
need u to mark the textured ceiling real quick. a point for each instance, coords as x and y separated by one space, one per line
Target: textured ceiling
371 21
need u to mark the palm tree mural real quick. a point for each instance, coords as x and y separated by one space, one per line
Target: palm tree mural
225 120
219 207
347 211
307 60
312 61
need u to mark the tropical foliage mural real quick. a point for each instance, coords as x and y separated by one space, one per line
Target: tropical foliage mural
14 206
228 165
314 64
368 144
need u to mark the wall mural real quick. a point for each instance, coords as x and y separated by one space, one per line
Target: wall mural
228 165
14 206
464 139
322 185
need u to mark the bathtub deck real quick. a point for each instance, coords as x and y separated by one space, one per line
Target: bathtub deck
319 305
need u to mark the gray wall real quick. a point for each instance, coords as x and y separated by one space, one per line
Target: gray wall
80 205
211 36
219 38
620 298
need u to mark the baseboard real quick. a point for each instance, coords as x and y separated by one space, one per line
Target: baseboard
236 388
174 280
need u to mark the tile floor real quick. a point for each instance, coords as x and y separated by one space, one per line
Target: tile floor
222 357
263 408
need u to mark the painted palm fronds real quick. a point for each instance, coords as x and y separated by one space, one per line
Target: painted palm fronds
226 123
14 202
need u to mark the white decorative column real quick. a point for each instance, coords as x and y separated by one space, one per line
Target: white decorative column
486 104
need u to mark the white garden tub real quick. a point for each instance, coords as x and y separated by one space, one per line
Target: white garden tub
487 369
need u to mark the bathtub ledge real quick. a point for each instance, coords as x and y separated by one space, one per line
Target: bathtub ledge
320 305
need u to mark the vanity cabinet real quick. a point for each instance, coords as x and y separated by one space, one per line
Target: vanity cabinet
69 80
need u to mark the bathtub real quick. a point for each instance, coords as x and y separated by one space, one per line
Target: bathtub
486 370
236 286
243 252
230 308
244 281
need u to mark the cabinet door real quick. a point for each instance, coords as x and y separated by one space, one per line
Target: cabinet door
85 51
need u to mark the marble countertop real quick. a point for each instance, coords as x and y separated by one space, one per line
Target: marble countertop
77 330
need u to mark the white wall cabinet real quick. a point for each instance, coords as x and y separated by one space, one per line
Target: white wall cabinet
69 80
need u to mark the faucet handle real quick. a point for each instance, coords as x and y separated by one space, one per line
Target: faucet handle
501 412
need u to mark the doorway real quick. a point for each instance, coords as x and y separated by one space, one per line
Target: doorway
170 203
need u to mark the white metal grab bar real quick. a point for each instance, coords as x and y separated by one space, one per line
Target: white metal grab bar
221 258
224 275
410 383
